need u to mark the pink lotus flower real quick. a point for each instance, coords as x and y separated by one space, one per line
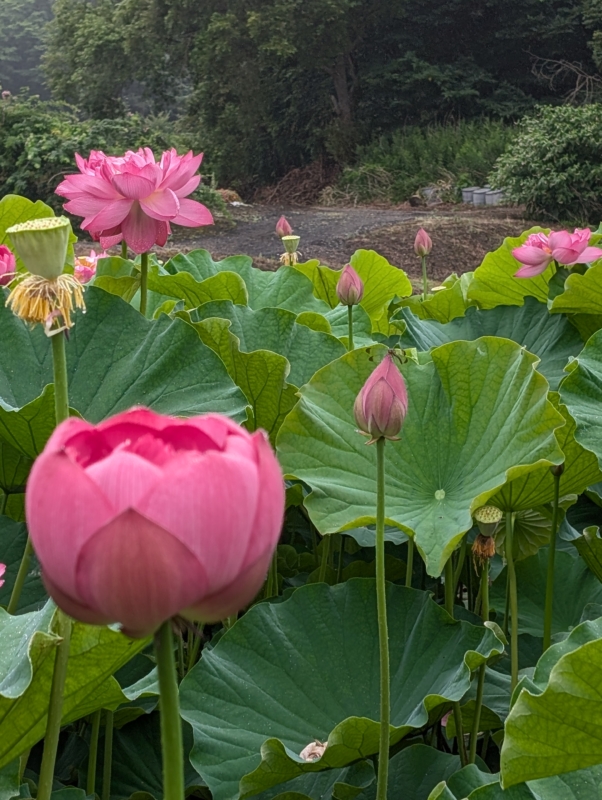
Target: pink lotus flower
144 516
85 266
423 243
8 265
2 571
381 406
350 287
283 227
560 246
133 197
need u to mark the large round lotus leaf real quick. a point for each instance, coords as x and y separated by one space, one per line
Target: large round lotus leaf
581 391
536 488
339 784
582 293
462 783
116 359
494 283
447 303
574 588
585 784
285 288
289 673
557 731
552 338
15 209
13 536
478 415
26 669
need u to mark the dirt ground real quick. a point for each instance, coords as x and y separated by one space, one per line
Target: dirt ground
461 234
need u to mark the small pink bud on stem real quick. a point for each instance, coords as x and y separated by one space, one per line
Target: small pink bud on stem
350 288
381 406
423 243
283 227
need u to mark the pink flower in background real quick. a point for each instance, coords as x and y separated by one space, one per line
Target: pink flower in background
423 243
8 265
561 246
381 406
283 227
134 198
2 571
145 516
85 266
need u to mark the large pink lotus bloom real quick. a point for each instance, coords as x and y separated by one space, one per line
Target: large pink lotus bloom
560 246
144 516
8 265
381 406
134 198
85 266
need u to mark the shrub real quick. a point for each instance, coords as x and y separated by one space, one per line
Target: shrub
554 165
38 140
395 167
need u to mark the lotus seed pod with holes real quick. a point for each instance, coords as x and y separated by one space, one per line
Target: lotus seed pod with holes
488 518
42 244
291 243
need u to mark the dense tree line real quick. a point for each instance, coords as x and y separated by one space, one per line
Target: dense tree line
273 84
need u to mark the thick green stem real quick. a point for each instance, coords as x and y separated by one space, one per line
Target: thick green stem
171 724
143 283
341 563
481 679
383 633
350 324
124 254
93 753
460 564
61 385
314 543
450 592
193 650
55 707
3 502
15 595
410 564
425 284
547 621
325 557
512 591
107 765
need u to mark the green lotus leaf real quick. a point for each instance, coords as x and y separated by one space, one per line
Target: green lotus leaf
324 280
589 546
286 288
26 429
537 488
13 536
552 338
583 784
574 587
494 283
26 669
478 416
289 673
557 731
115 359
14 469
581 391
9 780
338 784
336 321
460 785
532 530
114 275
183 286
582 293
445 304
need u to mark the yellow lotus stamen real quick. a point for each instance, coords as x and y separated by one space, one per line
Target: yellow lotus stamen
36 299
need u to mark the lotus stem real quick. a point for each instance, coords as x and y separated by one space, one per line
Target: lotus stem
481 679
449 607
3 502
15 595
410 562
547 621
93 753
350 323
124 254
55 707
383 633
171 724
425 284
61 386
143 283
513 595
460 564
108 756
325 557
341 563
193 650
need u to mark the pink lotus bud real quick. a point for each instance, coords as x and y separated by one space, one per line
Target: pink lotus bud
6 95
283 227
423 243
350 288
382 403
8 265
2 571
145 516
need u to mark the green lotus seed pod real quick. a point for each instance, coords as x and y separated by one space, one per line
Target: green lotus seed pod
42 244
291 243
488 518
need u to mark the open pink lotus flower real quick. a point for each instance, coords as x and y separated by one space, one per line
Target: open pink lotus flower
85 266
560 246
8 265
144 516
133 197
381 406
